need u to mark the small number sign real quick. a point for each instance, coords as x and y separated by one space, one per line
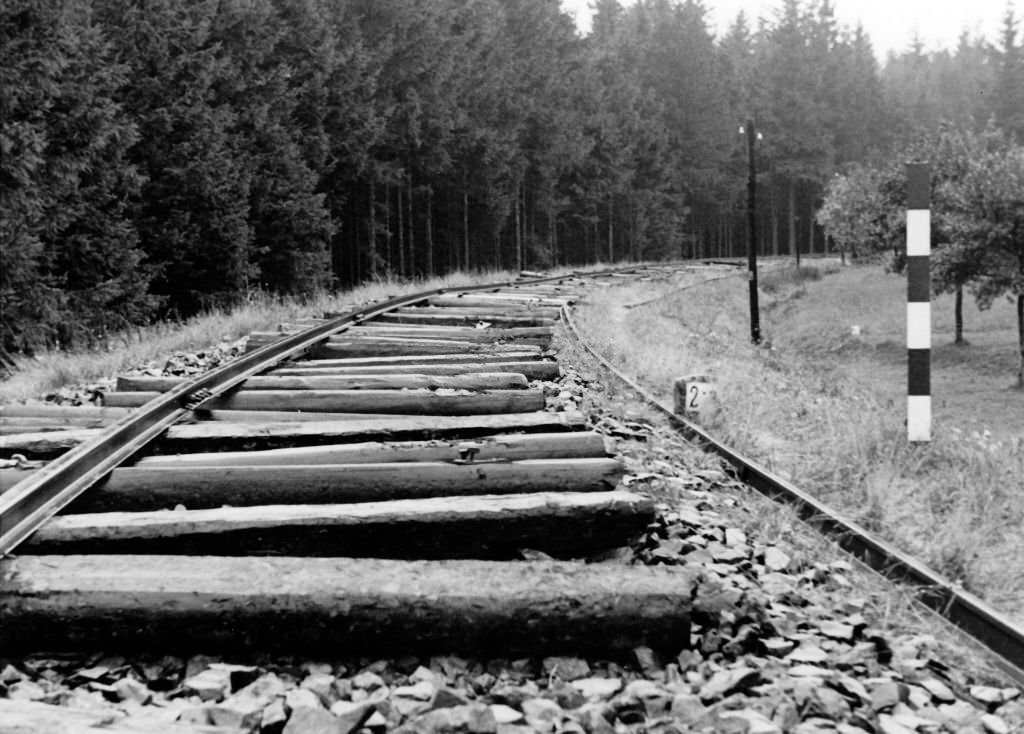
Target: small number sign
696 395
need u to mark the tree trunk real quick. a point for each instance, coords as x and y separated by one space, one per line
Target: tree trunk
465 222
430 231
401 232
611 231
519 230
775 223
1020 340
552 235
794 246
810 228
958 316
411 223
371 245
388 235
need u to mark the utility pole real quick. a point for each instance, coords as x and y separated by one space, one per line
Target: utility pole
755 318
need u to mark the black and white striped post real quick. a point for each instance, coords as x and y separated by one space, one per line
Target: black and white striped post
919 313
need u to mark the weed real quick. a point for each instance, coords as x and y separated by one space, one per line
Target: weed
825 407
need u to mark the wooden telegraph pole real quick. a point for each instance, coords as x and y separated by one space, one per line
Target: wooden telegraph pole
755 317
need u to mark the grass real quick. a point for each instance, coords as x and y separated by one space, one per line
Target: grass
824 405
33 377
889 607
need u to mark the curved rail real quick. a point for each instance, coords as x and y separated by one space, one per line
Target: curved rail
971 614
35 500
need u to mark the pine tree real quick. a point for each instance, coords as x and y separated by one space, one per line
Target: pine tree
71 267
1008 96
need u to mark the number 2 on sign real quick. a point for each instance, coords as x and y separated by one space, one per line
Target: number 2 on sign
694 394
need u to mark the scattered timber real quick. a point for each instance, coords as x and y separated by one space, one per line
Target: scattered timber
456 357
466 381
461 317
491 527
405 402
224 435
535 335
537 369
492 300
149 487
507 447
339 606
44 444
62 414
538 335
355 346
267 416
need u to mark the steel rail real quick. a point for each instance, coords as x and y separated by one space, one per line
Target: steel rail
968 612
33 501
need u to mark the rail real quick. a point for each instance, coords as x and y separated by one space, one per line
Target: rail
971 614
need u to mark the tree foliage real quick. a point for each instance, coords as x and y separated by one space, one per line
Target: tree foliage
163 157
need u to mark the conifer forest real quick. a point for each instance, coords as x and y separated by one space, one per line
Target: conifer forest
162 157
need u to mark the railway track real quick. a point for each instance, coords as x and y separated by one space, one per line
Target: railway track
381 481
366 480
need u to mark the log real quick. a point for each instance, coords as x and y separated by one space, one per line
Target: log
518 310
445 316
540 335
45 444
218 436
465 381
481 452
222 435
355 346
29 717
561 524
511 294
340 606
37 418
494 300
505 447
536 335
6 430
269 416
406 402
539 292
537 369
147 488
479 358
62 414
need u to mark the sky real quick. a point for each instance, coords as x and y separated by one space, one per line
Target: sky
891 24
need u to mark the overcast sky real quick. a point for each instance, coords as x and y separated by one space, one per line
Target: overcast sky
890 23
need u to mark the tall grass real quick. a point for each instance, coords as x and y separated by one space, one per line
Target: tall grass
826 409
